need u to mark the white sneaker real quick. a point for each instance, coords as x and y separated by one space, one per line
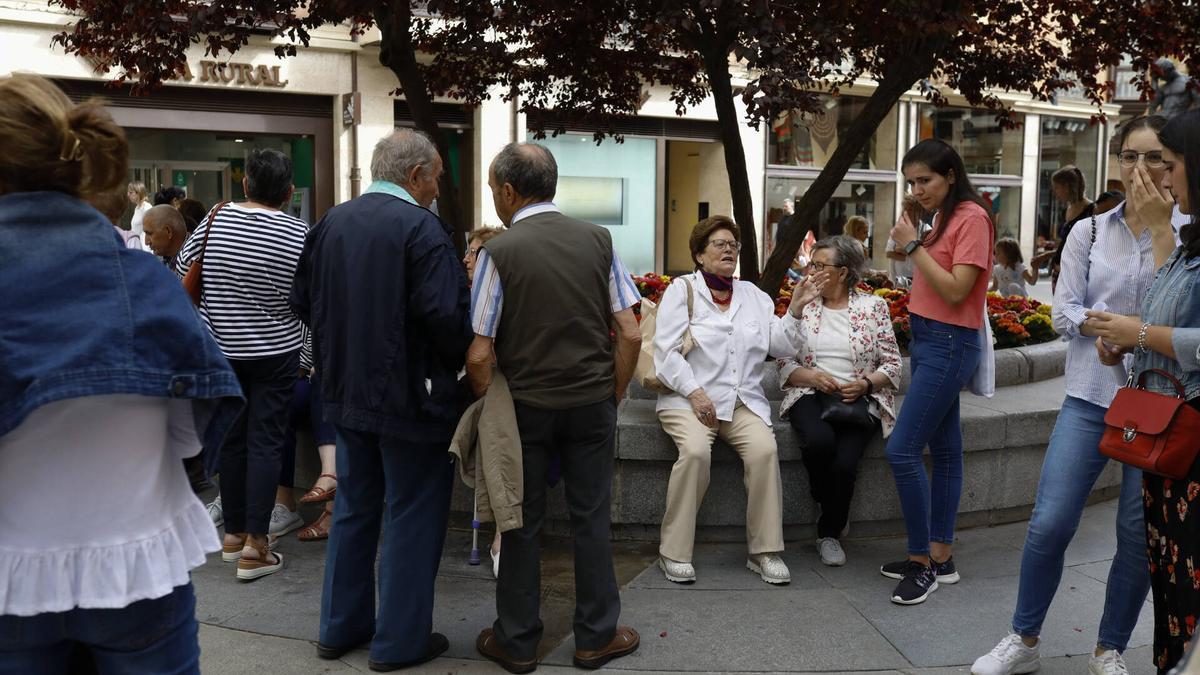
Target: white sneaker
679 572
216 512
770 567
284 521
1110 662
1009 657
831 552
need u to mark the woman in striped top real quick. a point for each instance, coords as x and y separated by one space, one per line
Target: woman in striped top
250 252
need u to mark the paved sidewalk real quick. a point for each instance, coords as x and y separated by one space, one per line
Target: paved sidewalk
827 620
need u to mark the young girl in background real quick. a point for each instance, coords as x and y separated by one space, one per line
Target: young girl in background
1010 272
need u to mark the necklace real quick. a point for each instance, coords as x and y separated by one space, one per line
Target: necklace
728 299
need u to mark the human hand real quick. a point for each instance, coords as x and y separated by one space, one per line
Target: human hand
1150 201
807 290
851 391
822 381
1114 329
703 408
904 232
1109 356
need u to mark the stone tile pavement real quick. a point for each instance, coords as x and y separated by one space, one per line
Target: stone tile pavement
827 620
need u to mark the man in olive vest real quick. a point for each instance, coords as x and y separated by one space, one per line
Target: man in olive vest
547 297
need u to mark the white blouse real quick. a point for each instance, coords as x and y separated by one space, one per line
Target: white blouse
95 506
731 347
832 348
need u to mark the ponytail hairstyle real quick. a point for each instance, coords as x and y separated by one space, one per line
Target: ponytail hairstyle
1181 136
1071 178
943 159
53 144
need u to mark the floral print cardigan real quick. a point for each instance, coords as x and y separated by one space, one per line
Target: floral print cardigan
872 347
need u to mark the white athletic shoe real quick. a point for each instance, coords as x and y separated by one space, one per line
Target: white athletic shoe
216 512
679 572
1110 662
284 521
831 552
1010 657
770 567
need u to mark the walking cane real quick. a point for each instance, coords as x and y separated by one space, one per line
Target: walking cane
474 559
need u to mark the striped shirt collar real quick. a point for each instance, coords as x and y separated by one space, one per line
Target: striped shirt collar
532 210
390 188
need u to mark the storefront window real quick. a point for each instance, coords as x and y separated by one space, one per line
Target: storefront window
1005 202
210 166
977 136
1065 142
809 140
874 201
611 184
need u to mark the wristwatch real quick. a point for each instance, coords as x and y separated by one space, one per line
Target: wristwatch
911 246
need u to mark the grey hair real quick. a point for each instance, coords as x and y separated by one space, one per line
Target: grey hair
849 254
529 168
401 151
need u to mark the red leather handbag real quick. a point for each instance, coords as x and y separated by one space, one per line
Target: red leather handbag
1153 432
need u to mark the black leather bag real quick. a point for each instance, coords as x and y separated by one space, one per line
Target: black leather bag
836 411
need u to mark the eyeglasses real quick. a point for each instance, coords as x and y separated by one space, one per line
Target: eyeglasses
474 252
726 243
820 266
1153 159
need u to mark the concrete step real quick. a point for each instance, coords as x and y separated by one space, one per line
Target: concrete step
1014 367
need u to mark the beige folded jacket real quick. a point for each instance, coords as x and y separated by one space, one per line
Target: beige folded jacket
488 447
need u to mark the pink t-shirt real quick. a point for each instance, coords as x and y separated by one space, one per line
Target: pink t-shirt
966 241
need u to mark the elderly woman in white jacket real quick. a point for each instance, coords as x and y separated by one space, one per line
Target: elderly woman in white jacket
717 392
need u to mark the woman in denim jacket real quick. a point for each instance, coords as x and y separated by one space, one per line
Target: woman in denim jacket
107 378
1167 337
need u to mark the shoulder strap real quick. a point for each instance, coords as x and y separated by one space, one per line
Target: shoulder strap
212 219
1087 272
690 299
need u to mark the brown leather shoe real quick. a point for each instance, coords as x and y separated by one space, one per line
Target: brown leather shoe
487 645
624 643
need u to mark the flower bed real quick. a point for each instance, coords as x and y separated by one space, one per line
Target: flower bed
1016 321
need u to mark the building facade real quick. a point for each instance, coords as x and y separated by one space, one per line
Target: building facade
329 104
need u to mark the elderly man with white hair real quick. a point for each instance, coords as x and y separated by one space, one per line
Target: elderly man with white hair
381 288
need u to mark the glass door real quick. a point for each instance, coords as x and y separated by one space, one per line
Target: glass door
208 182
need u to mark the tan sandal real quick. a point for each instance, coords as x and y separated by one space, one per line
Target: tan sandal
250 569
320 494
317 530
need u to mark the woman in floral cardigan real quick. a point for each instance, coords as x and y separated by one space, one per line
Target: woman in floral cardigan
840 388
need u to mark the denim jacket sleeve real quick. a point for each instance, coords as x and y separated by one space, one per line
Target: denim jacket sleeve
1185 338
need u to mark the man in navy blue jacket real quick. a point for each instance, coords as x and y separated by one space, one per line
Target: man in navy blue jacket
381 288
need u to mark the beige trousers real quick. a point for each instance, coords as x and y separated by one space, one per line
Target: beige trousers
754 441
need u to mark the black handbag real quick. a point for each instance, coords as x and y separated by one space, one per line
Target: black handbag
836 411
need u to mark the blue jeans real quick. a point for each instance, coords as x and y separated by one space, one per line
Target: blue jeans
405 487
1069 472
149 637
943 358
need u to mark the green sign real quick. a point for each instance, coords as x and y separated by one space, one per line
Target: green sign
179 178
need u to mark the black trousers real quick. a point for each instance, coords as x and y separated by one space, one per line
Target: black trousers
584 438
250 456
830 453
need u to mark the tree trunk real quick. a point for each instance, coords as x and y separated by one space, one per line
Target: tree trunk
396 52
716 66
850 144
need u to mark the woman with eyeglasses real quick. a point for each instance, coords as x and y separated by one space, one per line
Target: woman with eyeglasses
717 393
1108 260
1166 336
946 308
839 388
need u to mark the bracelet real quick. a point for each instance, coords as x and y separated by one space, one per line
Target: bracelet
870 386
1141 343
